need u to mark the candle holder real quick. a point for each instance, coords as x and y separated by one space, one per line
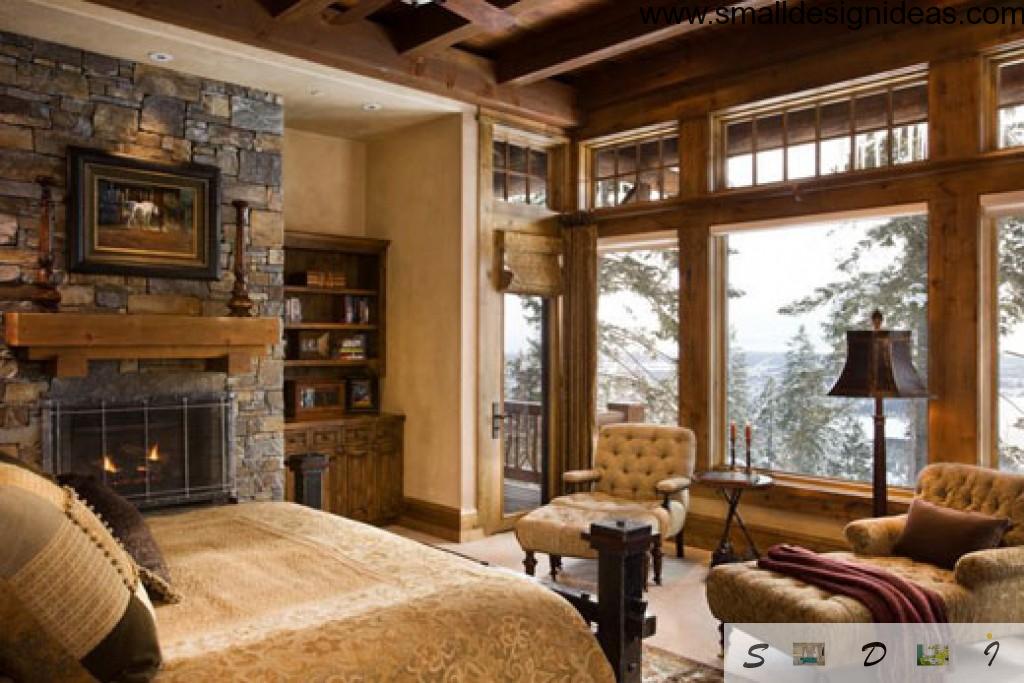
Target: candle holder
732 450
241 304
41 291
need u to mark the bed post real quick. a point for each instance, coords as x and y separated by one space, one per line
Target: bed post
620 612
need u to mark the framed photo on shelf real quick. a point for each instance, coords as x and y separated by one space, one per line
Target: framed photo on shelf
134 217
314 399
361 396
314 345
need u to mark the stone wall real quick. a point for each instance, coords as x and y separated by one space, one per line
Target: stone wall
52 96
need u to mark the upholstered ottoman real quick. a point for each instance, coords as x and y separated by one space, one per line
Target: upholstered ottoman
557 529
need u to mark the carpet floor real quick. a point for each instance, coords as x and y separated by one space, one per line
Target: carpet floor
662 666
686 628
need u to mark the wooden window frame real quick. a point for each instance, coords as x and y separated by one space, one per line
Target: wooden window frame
993 208
659 132
528 145
719 343
843 92
1006 55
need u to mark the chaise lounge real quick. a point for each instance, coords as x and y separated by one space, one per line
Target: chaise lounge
984 586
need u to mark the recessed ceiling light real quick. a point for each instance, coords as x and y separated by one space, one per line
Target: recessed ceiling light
161 57
372 106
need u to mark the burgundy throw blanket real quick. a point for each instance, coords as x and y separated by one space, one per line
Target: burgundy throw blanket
889 598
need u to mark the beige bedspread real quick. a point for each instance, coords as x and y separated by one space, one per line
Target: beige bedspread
279 592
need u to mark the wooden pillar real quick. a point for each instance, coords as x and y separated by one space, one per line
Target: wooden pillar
695 337
953 320
956 96
956 111
694 156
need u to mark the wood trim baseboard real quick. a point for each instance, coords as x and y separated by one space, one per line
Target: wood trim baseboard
704 531
449 523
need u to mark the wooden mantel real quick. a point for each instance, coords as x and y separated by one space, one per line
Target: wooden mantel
71 340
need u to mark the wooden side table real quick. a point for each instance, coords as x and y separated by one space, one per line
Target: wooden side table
731 486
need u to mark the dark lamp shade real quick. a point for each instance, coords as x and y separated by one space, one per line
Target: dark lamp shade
879 365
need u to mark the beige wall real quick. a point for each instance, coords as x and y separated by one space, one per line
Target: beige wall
324 184
422 198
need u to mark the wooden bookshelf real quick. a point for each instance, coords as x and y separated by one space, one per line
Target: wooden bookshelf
331 315
363 450
329 326
328 291
369 363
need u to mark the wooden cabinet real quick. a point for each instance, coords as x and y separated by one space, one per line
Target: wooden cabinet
364 475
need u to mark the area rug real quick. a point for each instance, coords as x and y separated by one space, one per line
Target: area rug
662 666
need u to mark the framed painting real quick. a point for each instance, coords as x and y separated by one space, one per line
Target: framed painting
132 217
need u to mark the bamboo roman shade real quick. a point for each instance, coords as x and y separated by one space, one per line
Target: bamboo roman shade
530 264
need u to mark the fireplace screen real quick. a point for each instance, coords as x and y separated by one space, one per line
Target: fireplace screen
152 453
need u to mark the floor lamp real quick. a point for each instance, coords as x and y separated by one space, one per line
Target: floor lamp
879 366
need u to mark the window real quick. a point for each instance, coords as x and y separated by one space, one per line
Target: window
638 330
1010 103
793 292
644 170
520 173
872 128
1010 412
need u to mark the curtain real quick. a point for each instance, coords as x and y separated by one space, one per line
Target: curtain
579 340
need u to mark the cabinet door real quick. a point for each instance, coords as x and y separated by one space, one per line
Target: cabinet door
338 498
359 471
388 454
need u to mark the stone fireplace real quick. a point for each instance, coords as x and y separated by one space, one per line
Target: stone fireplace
154 453
54 96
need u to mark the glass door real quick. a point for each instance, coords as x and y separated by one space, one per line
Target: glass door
523 415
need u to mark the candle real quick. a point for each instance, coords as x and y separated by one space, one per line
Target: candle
732 445
748 432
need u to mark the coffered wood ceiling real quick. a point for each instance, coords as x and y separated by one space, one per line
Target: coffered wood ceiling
541 59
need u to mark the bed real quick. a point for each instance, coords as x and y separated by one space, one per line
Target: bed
276 591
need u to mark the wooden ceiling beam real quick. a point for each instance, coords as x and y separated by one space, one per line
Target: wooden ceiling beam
743 81
362 48
602 35
360 10
707 57
298 9
434 31
481 13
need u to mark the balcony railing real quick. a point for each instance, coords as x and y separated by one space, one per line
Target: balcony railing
523 434
523 440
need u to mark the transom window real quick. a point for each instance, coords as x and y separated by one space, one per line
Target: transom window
642 170
520 173
1010 103
874 127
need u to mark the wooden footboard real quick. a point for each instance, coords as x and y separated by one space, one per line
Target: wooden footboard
619 612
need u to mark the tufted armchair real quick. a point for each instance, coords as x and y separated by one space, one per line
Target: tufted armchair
984 586
640 471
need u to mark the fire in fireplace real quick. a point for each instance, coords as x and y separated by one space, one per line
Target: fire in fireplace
154 453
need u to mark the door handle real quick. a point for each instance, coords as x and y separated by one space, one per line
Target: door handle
497 420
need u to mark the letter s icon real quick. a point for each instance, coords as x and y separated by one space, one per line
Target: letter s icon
873 646
752 652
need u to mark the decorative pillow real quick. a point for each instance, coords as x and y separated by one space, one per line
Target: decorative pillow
940 535
128 526
71 603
